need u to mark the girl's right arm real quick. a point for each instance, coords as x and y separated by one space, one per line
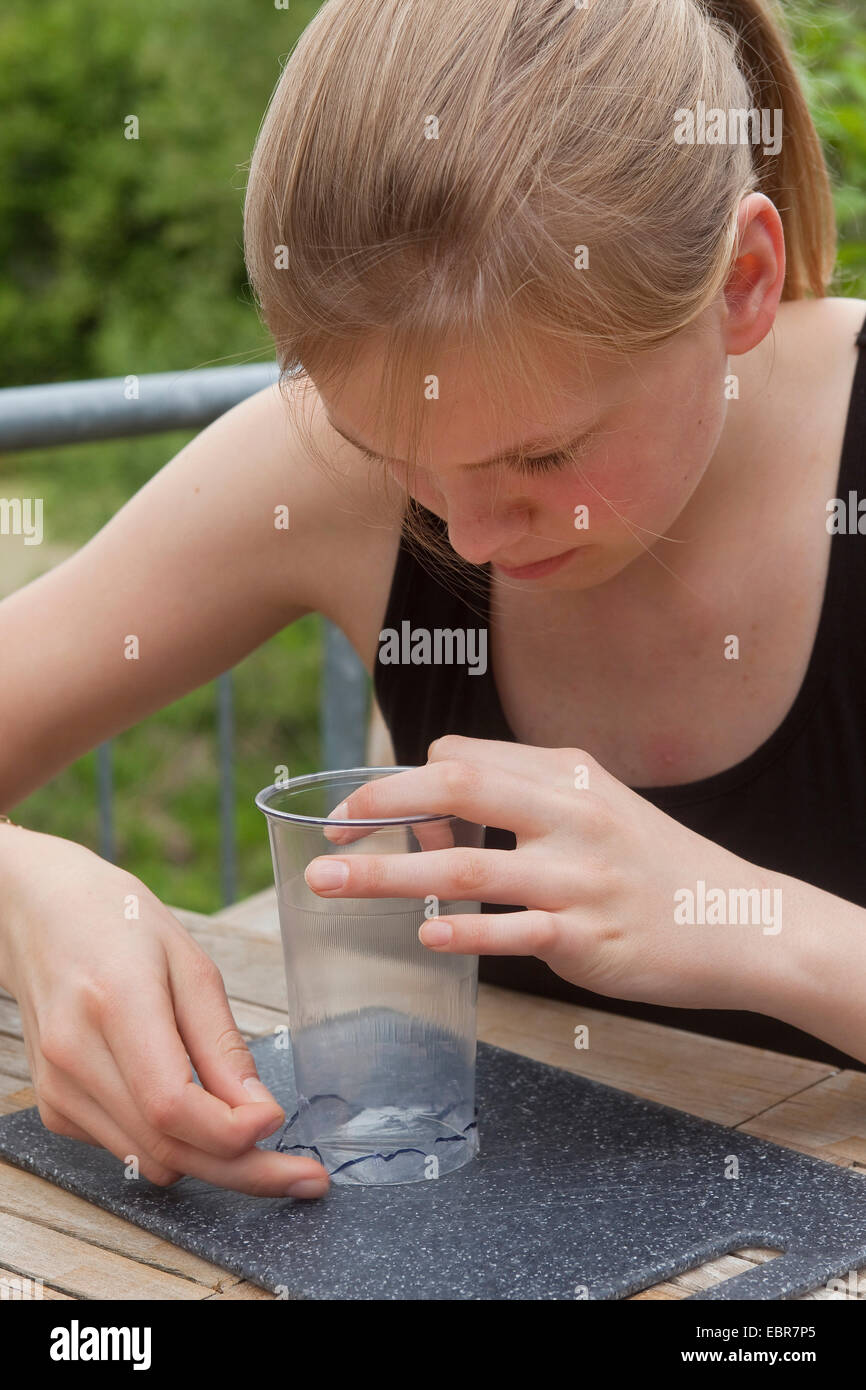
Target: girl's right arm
186 579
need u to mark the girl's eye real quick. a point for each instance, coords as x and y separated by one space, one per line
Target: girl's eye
377 458
543 464
561 459
546 464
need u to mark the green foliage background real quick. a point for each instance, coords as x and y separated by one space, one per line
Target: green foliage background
121 256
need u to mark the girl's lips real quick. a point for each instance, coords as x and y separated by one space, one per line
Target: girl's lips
540 568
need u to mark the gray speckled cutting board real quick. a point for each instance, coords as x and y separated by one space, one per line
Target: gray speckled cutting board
579 1191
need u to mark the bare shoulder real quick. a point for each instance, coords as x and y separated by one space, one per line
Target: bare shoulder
797 382
344 514
820 332
819 359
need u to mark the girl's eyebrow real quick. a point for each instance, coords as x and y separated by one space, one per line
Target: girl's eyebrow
539 446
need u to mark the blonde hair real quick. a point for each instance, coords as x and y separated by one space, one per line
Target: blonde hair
555 130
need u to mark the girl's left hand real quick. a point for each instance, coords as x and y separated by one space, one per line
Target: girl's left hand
596 865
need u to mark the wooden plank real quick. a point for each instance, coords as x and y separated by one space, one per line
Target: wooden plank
255 1020
714 1271
8 1084
14 1096
705 1276
258 913
827 1120
13 1058
32 1198
718 1080
10 1018
83 1270
13 1279
200 922
242 1291
250 962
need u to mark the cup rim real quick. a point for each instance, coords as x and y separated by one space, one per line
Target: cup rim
313 778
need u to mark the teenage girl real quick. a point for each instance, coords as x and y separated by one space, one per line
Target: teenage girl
554 373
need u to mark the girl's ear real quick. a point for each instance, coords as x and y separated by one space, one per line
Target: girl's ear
754 286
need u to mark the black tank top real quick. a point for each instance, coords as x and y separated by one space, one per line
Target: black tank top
797 805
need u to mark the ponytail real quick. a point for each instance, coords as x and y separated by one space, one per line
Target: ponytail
796 179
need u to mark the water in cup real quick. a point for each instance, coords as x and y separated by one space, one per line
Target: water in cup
382 1028
384 1062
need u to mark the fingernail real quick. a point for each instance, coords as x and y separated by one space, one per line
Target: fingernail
308 1187
326 873
435 933
340 812
273 1124
257 1089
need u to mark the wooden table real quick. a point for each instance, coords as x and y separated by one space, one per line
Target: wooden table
80 1251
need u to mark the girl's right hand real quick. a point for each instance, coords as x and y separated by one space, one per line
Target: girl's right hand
114 1007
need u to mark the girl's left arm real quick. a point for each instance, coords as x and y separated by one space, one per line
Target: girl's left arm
822 987
620 898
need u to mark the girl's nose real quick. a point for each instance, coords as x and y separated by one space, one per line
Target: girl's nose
479 536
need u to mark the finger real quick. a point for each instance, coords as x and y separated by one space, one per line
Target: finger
97 1081
211 1037
555 769
485 795
435 832
439 834
432 833
491 933
52 1116
260 1172
523 759
486 875
159 1077
82 1109
60 1123
342 834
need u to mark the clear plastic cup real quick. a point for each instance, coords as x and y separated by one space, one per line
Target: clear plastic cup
382 1028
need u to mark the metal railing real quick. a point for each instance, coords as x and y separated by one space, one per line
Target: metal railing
77 412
